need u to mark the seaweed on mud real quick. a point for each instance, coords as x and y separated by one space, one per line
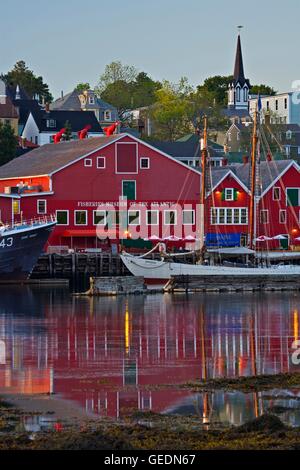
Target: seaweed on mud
248 384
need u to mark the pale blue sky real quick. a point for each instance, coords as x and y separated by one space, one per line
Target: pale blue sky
69 41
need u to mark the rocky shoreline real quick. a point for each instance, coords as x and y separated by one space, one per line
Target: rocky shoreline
150 431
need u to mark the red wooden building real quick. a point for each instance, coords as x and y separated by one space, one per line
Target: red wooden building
108 189
85 182
278 206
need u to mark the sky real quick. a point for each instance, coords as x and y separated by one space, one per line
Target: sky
71 41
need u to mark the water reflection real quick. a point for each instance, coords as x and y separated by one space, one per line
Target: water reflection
105 353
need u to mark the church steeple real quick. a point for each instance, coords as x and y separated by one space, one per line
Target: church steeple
238 74
238 89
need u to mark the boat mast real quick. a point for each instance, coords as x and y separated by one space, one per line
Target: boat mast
252 215
203 148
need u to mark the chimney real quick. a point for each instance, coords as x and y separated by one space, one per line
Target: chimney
47 107
225 162
245 159
62 94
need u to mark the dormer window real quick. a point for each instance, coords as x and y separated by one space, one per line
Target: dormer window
91 100
289 134
50 123
107 115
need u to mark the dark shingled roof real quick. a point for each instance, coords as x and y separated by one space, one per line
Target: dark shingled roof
50 157
7 109
77 119
268 171
25 107
188 149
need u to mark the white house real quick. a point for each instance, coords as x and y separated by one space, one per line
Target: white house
40 127
282 108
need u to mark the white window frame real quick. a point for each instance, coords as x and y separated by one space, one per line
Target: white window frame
286 196
104 160
226 197
90 164
91 100
139 216
51 121
68 218
193 217
37 206
175 218
86 217
115 222
228 212
283 211
109 114
266 211
157 217
18 212
104 212
276 187
143 167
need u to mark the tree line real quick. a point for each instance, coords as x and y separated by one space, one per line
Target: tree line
173 108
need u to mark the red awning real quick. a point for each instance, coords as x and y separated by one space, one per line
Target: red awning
90 233
79 233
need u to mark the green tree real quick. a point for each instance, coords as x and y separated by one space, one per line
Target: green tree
143 90
119 94
173 112
81 87
8 143
68 133
216 87
116 72
263 90
25 78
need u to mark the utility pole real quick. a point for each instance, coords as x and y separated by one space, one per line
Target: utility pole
203 156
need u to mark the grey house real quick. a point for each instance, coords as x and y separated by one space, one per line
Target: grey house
105 113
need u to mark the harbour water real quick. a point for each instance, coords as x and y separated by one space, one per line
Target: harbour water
112 356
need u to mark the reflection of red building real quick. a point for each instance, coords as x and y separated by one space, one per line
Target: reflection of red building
110 355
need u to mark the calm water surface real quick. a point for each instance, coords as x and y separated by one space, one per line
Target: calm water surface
104 354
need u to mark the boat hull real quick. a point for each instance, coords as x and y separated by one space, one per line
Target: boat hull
20 250
160 272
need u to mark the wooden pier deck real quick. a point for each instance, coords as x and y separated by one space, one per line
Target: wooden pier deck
218 283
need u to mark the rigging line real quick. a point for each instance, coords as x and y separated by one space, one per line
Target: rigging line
283 189
277 201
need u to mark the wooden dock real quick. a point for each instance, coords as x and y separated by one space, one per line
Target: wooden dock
117 285
218 283
83 265
72 266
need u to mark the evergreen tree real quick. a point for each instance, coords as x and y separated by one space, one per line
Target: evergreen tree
68 133
8 143
25 78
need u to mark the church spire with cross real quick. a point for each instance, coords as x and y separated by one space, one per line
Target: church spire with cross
239 87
